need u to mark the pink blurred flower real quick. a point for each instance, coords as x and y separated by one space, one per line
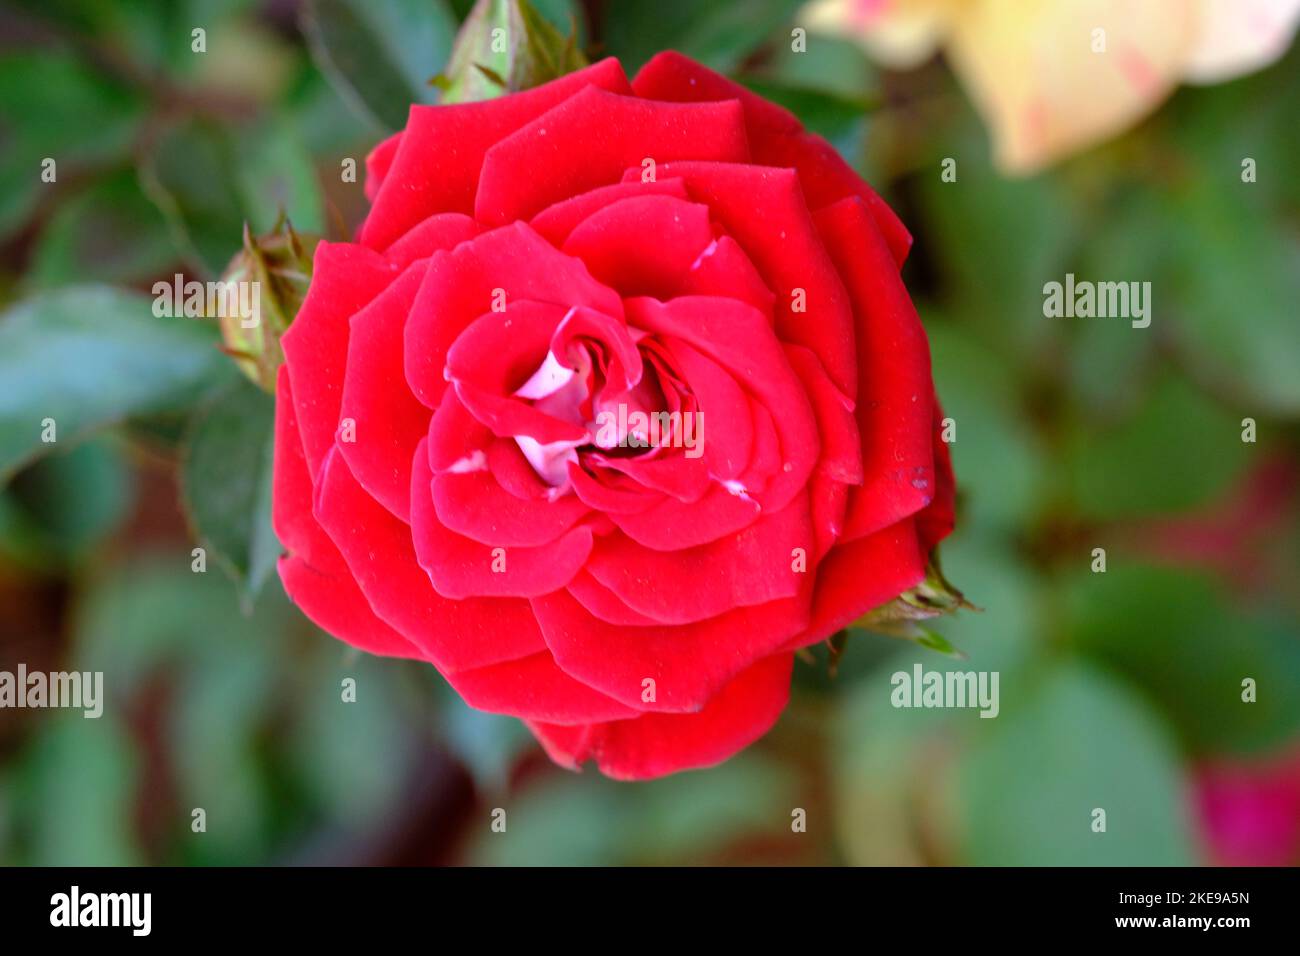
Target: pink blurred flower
1250 810
1235 536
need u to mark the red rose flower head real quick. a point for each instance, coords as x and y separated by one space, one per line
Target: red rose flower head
616 403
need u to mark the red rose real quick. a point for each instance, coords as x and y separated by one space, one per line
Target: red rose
457 474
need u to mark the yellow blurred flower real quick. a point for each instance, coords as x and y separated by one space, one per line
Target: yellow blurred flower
1053 76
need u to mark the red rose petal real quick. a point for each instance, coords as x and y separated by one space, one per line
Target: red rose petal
315 576
337 606
894 409
535 689
457 440
723 403
455 635
378 162
936 520
460 568
622 361
657 744
514 472
861 575
737 337
611 493
494 356
827 179
461 285
604 603
776 137
751 567
684 479
509 418
292 492
763 209
475 505
643 245
766 461
345 278
689 663
555 222
436 166
669 524
498 351
589 139
443 231
389 421
830 503
841 457
723 269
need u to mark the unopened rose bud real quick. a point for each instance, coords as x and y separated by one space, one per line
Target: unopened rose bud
265 283
505 46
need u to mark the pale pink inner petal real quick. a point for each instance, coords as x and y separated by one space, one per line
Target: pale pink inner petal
560 391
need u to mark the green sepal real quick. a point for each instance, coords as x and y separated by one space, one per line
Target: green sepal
528 51
902 617
281 263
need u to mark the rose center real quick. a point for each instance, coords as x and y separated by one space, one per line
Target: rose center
620 422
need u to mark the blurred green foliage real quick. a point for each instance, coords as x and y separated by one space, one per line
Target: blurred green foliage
1071 435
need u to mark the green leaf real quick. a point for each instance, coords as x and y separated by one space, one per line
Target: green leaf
54 106
151 37
191 174
1240 335
333 742
1176 450
137 621
831 65
487 743
888 766
1001 467
380 56
110 233
89 357
208 181
1067 742
1176 635
993 571
138 618
328 127
225 682
214 729
1210 229
1108 362
129 29
719 35
79 786
226 482
996 242
276 175
567 820
64 504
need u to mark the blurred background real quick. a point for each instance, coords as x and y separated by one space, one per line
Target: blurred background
1120 690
